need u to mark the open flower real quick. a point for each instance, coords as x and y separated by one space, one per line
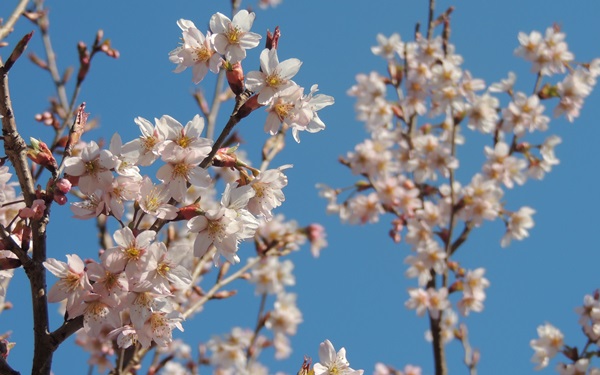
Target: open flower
332 363
197 52
92 167
273 77
73 283
233 37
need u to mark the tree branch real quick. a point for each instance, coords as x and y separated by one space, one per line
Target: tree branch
7 28
16 150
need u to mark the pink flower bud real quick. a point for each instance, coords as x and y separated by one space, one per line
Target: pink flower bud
235 77
59 198
63 185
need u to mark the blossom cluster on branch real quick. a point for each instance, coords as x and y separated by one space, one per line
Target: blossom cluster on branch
418 115
162 224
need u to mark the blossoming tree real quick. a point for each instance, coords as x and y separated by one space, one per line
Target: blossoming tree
184 210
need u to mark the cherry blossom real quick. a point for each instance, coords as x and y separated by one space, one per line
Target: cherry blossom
273 76
73 284
233 37
197 51
332 363
92 167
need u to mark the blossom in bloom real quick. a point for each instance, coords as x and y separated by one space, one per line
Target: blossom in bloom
284 320
107 283
363 209
332 363
4 177
504 167
388 47
98 312
92 167
230 351
483 114
183 167
147 146
127 157
524 113
518 224
317 237
268 192
284 108
73 283
179 137
549 343
162 268
575 87
159 326
273 76
286 316
91 207
311 103
4 274
233 37
153 200
128 253
197 52
505 85
263 4
579 367
272 276
225 226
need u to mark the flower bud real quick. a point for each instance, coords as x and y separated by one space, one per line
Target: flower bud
235 77
273 39
77 129
59 198
188 212
63 185
40 154
226 158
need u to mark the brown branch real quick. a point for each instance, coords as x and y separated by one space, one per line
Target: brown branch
16 150
7 28
439 354
65 331
430 20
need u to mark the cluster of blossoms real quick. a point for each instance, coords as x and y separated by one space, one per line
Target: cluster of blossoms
148 276
144 286
224 47
408 168
551 341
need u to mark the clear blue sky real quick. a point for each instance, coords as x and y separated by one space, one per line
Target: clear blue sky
355 292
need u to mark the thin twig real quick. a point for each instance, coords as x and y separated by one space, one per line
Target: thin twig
430 20
234 276
260 323
216 104
7 27
471 357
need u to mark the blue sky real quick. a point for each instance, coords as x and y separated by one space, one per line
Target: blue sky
354 293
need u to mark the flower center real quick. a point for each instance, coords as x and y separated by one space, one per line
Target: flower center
149 143
181 170
71 282
234 34
283 109
163 269
273 80
92 167
184 141
203 54
133 253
